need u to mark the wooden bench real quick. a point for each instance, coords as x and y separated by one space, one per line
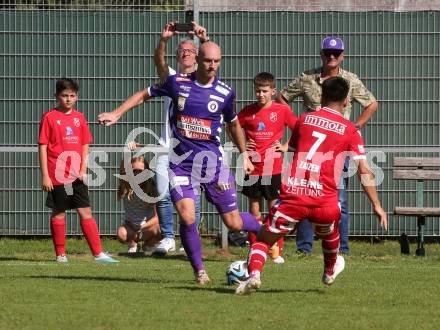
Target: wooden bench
420 169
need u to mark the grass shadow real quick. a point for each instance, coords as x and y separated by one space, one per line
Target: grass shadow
24 259
231 290
101 278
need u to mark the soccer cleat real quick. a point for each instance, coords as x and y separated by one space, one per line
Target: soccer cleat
278 260
148 250
339 267
202 277
166 245
104 258
132 249
254 283
62 259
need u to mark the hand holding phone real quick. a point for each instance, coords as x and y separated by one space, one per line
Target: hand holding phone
183 27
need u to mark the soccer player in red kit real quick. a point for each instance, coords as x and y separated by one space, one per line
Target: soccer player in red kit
321 141
63 147
263 123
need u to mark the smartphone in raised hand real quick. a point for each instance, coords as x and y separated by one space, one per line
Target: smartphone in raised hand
183 27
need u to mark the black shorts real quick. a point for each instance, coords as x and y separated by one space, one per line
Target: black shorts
58 198
260 188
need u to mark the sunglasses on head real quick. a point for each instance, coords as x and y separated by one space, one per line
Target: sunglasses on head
330 52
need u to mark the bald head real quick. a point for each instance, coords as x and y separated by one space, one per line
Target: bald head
210 48
208 62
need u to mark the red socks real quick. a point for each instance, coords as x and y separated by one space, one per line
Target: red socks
90 231
257 257
280 246
252 237
58 231
330 245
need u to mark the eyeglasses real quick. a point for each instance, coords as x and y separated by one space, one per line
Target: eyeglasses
186 51
329 52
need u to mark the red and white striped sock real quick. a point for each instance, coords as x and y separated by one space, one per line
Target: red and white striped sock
58 231
257 257
90 231
330 245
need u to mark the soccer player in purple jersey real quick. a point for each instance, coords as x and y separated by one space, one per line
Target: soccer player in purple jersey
201 103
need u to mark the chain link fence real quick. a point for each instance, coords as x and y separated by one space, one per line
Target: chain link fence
109 45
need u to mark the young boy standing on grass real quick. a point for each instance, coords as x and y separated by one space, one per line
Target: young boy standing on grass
264 122
63 148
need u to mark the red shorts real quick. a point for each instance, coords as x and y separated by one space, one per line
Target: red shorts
284 217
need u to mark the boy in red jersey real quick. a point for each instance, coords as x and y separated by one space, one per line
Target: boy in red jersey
321 141
264 122
63 148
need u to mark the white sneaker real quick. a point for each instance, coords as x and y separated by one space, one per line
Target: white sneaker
149 250
132 249
166 245
254 283
181 249
278 260
202 277
339 267
62 259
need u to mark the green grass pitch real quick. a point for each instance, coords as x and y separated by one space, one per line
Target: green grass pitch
379 289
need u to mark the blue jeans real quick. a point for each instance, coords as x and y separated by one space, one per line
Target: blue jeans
165 206
305 235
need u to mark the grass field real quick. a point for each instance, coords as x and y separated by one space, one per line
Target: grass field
379 289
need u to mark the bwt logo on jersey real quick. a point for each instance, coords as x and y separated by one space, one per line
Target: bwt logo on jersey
185 88
328 125
69 131
261 126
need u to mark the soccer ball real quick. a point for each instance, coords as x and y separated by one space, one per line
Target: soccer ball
237 272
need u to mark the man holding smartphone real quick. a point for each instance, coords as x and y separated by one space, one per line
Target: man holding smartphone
186 63
202 106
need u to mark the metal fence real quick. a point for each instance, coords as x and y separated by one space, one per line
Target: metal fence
109 48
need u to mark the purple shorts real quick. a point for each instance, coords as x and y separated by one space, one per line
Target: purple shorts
219 186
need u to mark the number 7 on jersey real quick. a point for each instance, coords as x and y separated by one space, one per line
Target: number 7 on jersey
321 137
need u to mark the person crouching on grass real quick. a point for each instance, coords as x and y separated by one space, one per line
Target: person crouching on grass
141 222
63 148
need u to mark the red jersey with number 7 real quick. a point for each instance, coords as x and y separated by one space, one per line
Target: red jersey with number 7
321 140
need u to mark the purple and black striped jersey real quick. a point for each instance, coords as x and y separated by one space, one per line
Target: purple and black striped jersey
197 116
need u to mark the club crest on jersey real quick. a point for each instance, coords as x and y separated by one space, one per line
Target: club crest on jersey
273 117
261 126
222 90
181 103
212 106
76 122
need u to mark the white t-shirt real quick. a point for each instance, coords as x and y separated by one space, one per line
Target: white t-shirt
165 134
